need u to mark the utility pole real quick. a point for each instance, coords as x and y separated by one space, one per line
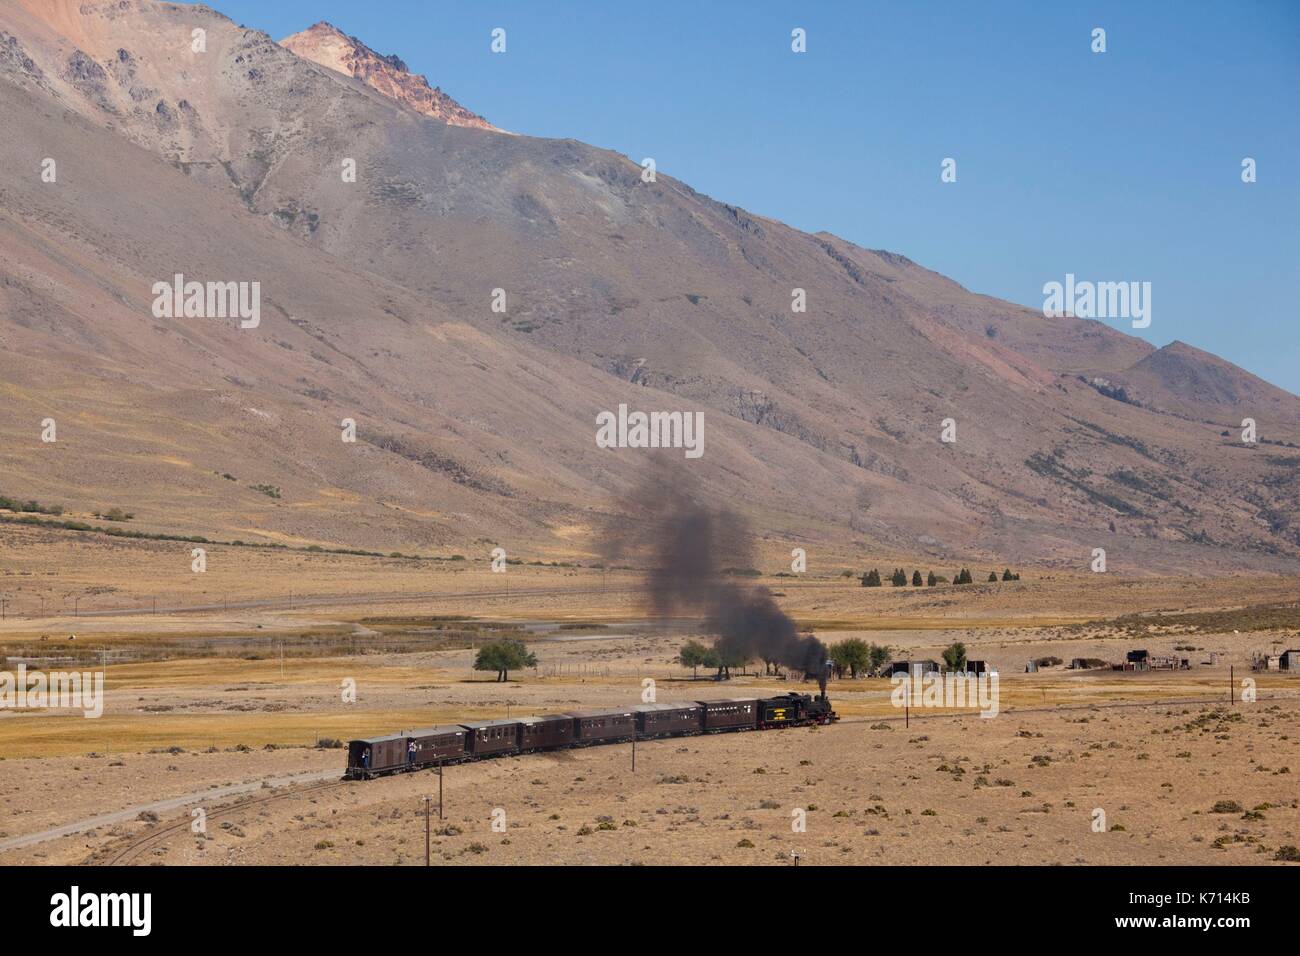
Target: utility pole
440 792
282 660
634 744
428 803
1232 684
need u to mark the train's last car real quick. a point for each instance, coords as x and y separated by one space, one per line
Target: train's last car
376 756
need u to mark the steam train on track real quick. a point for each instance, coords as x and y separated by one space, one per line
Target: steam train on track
410 750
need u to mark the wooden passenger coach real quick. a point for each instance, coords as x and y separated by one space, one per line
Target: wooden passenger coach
542 733
492 736
731 713
602 726
436 745
387 754
667 720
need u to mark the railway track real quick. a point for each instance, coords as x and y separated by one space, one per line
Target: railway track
135 848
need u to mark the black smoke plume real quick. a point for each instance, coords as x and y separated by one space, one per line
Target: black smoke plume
689 548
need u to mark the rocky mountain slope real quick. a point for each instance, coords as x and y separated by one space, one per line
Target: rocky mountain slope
478 425
327 45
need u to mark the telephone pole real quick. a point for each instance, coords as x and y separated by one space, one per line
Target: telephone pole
428 804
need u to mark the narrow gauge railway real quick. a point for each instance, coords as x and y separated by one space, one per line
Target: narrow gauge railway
409 750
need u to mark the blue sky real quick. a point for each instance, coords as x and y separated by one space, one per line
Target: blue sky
1124 165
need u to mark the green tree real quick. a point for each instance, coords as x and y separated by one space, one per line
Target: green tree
504 656
993 576
931 580
878 655
955 656
899 578
852 655
871 579
694 655
724 661
916 578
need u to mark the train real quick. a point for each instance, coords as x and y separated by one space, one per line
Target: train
411 750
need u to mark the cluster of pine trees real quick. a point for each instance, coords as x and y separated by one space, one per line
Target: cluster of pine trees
899 579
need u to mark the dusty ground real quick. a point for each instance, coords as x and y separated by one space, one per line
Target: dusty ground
1022 787
1010 790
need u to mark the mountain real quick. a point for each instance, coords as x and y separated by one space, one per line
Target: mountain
330 47
1186 381
476 425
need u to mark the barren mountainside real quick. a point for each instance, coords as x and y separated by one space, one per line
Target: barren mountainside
327 45
478 426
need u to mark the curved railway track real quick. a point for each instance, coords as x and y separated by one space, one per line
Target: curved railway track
134 848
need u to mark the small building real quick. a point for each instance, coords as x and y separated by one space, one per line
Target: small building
978 667
915 668
1031 667
1291 661
1139 660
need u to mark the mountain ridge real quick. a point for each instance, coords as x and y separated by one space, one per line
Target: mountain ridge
477 425
327 45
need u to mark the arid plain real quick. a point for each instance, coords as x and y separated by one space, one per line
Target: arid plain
201 698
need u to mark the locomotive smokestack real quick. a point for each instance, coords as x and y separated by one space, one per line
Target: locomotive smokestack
691 548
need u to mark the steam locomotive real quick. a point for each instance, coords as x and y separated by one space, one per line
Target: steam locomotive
476 740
